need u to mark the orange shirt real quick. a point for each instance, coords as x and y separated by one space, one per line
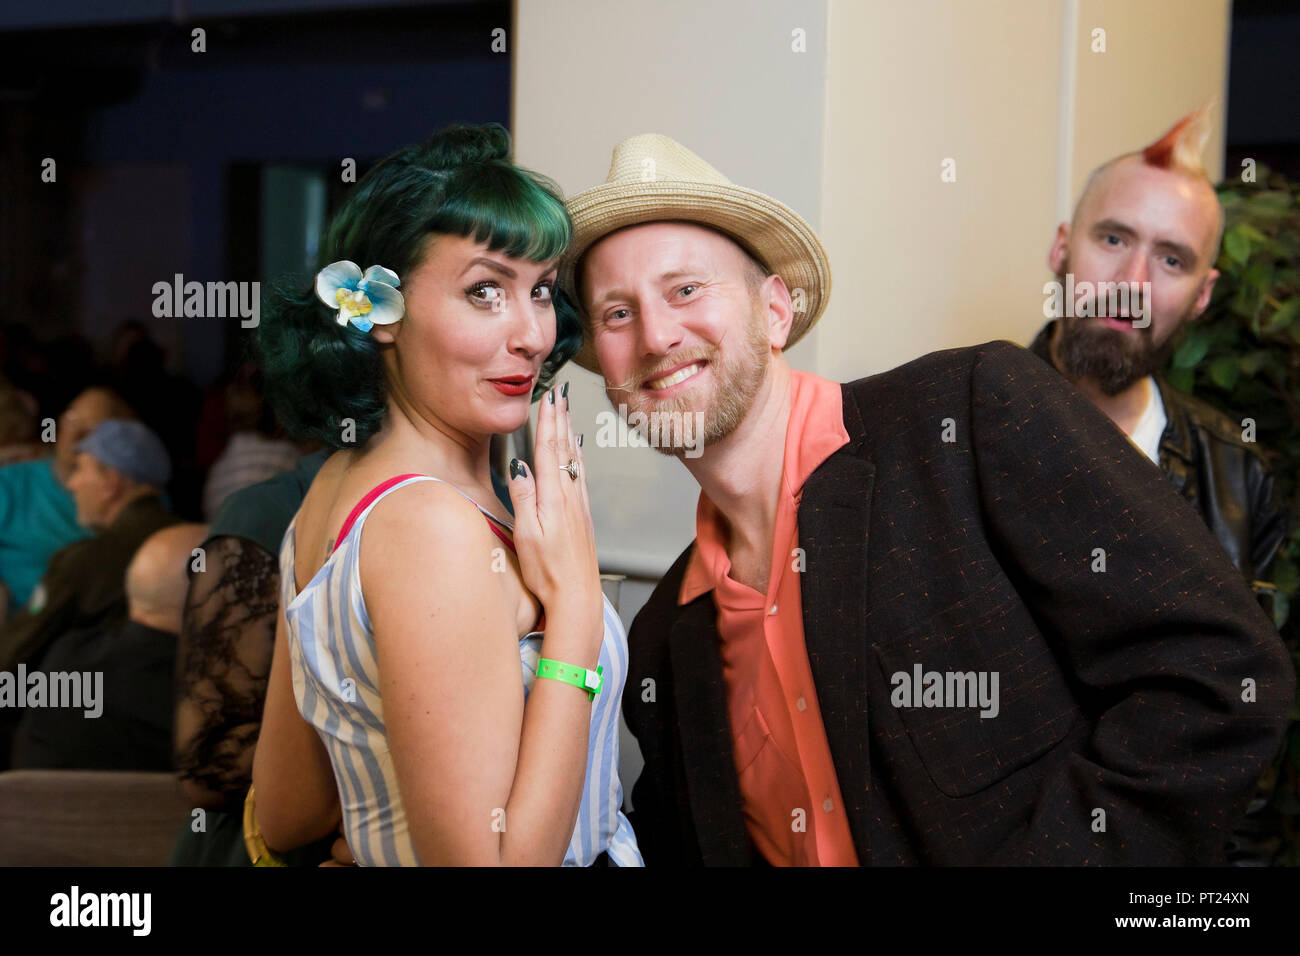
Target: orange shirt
789 791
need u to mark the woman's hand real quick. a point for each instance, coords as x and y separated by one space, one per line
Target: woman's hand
487 775
340 852
554 535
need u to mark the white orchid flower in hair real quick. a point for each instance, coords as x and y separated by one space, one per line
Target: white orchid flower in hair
365 300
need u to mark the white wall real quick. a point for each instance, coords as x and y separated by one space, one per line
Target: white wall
922 264
1163 59
1013 92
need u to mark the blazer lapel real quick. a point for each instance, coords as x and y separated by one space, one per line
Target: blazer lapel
705 735
834 514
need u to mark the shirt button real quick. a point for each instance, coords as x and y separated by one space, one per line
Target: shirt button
827 805
772 609
801 704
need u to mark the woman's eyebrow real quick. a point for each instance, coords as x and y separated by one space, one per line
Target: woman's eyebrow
492 264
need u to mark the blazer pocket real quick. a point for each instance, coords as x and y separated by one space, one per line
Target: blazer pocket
1002 699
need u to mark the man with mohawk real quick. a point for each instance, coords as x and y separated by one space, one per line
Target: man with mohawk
1150 221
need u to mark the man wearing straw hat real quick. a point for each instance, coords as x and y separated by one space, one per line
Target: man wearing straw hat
940 615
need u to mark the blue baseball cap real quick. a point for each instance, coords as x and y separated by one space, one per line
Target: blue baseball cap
131 448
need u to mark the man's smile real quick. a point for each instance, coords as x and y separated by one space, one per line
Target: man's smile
676 376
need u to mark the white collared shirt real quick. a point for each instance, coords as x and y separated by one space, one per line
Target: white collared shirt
1147 432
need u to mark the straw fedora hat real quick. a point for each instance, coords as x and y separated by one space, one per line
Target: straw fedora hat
653 178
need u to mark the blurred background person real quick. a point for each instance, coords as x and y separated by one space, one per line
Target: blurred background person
1152 217
119 472
167 403
256 449
137 658
19 427
226 640
38 515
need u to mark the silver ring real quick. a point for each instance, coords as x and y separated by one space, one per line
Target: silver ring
571 468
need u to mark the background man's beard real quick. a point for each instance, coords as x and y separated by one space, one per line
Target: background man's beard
1102 355
1110 358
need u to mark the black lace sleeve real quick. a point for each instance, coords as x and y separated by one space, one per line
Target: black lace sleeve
223 662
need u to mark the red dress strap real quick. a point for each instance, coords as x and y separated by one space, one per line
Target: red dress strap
541 618
500 534
364 503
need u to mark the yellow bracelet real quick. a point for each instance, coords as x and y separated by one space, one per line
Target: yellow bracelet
258 851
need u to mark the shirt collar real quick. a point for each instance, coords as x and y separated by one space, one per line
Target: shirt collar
1151 424
814 432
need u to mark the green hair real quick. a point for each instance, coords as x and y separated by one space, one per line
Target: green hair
459 182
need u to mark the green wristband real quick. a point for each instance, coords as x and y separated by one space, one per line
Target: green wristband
589 680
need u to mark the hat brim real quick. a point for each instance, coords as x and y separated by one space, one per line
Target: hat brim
769 230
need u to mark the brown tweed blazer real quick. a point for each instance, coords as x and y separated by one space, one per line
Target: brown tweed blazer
1122 735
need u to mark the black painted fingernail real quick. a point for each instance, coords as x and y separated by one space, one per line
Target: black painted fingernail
550 396
579 441
564 390
516 468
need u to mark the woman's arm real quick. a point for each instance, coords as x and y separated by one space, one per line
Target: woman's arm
485 780
297 799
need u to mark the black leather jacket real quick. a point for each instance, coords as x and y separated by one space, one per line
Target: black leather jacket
1225 478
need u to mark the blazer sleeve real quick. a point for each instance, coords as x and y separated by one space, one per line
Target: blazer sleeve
1185 681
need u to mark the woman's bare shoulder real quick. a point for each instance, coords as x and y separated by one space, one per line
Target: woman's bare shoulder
425 520
426 549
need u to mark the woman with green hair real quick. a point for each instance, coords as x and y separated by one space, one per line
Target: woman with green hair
395 702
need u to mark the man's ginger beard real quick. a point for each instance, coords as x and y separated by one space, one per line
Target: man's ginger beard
736 383
1110 358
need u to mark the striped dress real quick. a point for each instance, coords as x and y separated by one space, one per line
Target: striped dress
336 686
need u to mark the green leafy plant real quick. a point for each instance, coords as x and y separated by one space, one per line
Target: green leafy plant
1243 355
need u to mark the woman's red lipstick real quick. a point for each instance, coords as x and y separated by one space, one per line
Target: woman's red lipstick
513 384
